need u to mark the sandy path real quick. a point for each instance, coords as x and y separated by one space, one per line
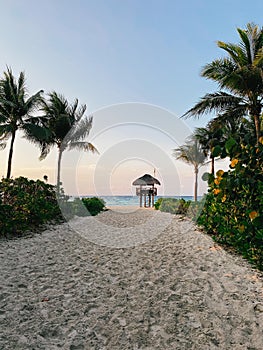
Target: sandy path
58 290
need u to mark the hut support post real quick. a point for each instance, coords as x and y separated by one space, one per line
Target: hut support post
149 200
140 196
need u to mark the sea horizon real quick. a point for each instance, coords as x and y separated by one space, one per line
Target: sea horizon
131 200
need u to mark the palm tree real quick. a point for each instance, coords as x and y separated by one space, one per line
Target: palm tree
3 140
16 109
208 140
66 127
241 74
216 133
192 153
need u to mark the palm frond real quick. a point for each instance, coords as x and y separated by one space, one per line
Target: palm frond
81 111
83 146
258 61
73 108
21 88
55 105
80 130
245 44
36 133
216 102
191 152
45 149
2 145
6 129
235 52
33 101
218 69
3 139
10 86
259 41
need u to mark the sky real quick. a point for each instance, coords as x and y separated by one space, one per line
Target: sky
136 64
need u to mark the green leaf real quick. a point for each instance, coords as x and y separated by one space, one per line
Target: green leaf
258 222
216 151
205 176
230 143
223 154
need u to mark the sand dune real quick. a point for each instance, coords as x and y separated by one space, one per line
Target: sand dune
165 286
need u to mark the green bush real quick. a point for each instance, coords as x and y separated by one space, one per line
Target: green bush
195 209
172 205
78 207
81 207
93 205
233 212
25 204
158 203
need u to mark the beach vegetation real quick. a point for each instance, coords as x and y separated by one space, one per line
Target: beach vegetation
239 77
16 112
158 203
192 153
81 207
66 128
233 208
77 208
90 206
25 204
172 205
186 208
93 205
207 138
233 211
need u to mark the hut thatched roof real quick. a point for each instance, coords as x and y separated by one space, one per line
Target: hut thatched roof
146 180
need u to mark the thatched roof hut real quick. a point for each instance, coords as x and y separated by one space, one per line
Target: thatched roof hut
144 190
146 180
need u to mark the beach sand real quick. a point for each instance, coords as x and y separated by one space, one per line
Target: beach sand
75 287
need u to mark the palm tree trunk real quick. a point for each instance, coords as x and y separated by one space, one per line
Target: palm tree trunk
59 170
212 165
9 164
196 185
257 126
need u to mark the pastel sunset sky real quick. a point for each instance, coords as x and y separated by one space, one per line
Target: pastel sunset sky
136 64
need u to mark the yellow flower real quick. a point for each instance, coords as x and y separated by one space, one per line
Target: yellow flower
220 173
224 198
217 180
253 214
234 163
261 140
242 228
216 190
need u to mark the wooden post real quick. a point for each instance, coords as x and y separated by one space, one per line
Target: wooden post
149 198
140 195
144 199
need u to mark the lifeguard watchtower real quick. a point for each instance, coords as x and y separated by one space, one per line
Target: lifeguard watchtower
146 190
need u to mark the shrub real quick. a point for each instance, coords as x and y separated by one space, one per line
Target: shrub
93 205
80 207
158 203
195 209
233 212
172 205
26 203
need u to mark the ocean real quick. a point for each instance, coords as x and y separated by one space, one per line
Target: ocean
132 200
